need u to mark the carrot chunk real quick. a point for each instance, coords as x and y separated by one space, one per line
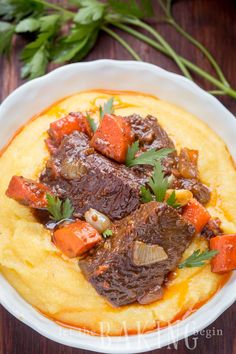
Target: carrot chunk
113 137
225 260
68 124
196 214
28 192
76 238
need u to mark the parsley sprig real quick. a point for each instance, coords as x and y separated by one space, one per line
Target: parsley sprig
108 108
107 233
158 185
146 158
198 259
91 121
84 23
58 209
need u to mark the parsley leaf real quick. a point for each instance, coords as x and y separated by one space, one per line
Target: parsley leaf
67 209
132 7
197 259
107 233
59 210
158 183
36 54
90 11
18 9
91 122
132 150
28 25
146 195
6 34
148 157
107 108
76 44
171 201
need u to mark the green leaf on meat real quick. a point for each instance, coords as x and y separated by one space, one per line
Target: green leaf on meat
158 183
58 209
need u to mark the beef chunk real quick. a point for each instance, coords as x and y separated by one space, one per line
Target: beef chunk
188 163
111 269
212 229
151 135
89 179
149 132
199 190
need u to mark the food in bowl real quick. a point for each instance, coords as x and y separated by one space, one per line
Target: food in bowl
116 213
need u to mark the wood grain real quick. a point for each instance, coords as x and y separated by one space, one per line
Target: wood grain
214 24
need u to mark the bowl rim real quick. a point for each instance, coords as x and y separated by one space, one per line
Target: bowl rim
216 306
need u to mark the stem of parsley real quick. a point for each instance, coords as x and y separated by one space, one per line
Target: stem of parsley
50 5
171 21
162 41
157 42
122 42
186 62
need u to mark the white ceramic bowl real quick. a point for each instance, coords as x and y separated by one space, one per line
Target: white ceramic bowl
36 95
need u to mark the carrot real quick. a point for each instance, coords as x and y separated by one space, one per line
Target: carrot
76 238
68 124
196 214
113 137
225 260
28 192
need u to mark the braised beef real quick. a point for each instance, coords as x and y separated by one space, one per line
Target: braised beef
199 190
151 135
187 163
110 268
90 180
212 229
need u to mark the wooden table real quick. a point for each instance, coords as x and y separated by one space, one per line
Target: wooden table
214 23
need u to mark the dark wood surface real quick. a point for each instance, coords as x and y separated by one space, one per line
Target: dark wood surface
213 22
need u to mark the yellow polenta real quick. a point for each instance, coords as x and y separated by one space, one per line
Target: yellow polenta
53 283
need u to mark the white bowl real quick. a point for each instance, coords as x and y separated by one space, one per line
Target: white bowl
36 95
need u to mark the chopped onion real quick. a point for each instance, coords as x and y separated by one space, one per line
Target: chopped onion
71 169
98 220
144 254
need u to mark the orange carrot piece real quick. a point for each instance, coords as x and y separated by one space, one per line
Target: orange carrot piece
225 260
68 124
28 192
76 238
196 214
113 137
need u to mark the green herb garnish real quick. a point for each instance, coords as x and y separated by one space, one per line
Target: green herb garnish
132 151
158 183
146 195
84 22
198 259
107 108
91 122
58 209
146 158
107 233
171 201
